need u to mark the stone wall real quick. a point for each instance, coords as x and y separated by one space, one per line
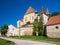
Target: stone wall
26 31
53 31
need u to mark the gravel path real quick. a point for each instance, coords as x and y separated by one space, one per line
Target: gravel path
26 42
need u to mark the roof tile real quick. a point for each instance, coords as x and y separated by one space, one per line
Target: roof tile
54 20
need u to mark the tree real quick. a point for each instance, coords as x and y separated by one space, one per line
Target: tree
55 13
40 25
4 29
35 26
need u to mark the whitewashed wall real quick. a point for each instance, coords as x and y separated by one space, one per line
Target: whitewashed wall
45 18
12 31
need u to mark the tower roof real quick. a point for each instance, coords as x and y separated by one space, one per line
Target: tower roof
47 12
42 10
30 10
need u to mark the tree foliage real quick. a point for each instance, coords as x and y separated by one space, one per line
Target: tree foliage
55 13
4 29
40 25
35 26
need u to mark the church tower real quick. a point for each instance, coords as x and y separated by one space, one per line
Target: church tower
30 16
45 15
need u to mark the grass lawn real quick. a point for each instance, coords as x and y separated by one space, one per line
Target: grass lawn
39 38
5 42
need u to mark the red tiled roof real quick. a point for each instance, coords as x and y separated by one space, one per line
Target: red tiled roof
54 20
30 10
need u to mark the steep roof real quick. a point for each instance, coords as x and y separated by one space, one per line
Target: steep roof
47 12
54 20
30 10
42 10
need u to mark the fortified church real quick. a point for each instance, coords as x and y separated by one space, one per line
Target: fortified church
25 26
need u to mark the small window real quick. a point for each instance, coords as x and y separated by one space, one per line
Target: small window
57 27
36 12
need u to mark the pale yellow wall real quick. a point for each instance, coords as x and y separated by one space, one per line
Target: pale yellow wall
28 18
52 32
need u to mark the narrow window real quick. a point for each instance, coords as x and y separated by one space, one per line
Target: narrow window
26 19
32 17
19 24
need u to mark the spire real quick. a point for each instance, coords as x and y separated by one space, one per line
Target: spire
42 10
47 12
30 10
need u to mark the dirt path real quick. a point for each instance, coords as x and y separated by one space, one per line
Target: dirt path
26 42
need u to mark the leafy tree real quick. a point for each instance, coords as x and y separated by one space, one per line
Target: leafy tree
40 25
35 26
4 29
55 13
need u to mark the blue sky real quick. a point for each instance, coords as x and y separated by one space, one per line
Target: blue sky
13 10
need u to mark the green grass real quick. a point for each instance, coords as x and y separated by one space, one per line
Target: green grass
39 38
5 42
